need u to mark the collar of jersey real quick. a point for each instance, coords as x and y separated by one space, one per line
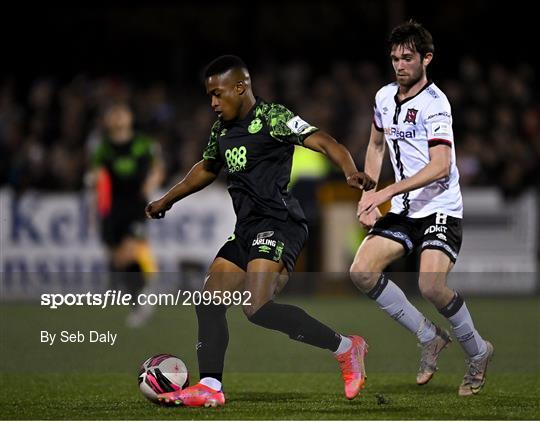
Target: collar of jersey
250 114
428 83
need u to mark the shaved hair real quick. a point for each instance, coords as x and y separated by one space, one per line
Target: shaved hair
223 64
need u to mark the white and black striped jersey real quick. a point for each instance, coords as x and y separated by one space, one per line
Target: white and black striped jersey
410 127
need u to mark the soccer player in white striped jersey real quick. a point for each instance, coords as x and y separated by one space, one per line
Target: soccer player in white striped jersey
413 116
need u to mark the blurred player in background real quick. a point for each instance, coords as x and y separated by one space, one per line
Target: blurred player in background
414 117
127 168
254 141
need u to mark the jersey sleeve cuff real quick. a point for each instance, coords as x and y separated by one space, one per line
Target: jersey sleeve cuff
379 129
438 141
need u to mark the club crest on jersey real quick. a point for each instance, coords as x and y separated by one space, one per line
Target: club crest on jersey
255 125
410 117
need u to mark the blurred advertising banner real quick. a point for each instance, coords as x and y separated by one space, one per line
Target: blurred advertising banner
43 234
499 253
49 243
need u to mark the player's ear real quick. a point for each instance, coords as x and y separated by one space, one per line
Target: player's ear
240 87
427 58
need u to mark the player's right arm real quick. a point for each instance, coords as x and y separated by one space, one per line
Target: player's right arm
375 154
201 175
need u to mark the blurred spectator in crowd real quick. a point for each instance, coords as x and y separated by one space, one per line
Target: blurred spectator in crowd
43 142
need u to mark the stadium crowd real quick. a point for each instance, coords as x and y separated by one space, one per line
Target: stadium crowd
49 128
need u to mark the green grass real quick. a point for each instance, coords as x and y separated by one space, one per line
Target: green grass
267 375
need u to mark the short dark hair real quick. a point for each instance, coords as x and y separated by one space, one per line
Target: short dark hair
223 64
413 35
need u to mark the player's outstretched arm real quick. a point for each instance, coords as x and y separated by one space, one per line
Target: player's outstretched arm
322 142
201 175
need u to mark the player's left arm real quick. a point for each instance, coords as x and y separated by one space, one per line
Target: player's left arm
440 158
290 128
322 142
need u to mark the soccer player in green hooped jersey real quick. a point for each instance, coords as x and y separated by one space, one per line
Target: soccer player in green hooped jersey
127 168
254 141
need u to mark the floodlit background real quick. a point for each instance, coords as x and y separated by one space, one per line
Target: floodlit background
324 60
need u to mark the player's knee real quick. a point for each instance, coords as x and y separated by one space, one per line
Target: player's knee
210 311
430 291
362 275
281 282
250 310
357 267
120 263
122 257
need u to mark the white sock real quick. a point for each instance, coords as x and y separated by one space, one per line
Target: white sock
393 301
426 332
212 383
468 337
344 345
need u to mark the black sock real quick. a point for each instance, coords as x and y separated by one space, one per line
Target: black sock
213 340
297 324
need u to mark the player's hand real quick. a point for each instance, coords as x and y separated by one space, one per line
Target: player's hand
157 209
371 200
368 220
360 180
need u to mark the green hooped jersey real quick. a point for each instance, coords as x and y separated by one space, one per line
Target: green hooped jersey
257 152
127 164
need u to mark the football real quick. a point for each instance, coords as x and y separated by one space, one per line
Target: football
161 374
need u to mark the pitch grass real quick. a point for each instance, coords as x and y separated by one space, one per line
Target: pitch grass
273 396
267 375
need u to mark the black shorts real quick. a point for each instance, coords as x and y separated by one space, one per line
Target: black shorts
265 238
116 227
436 231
